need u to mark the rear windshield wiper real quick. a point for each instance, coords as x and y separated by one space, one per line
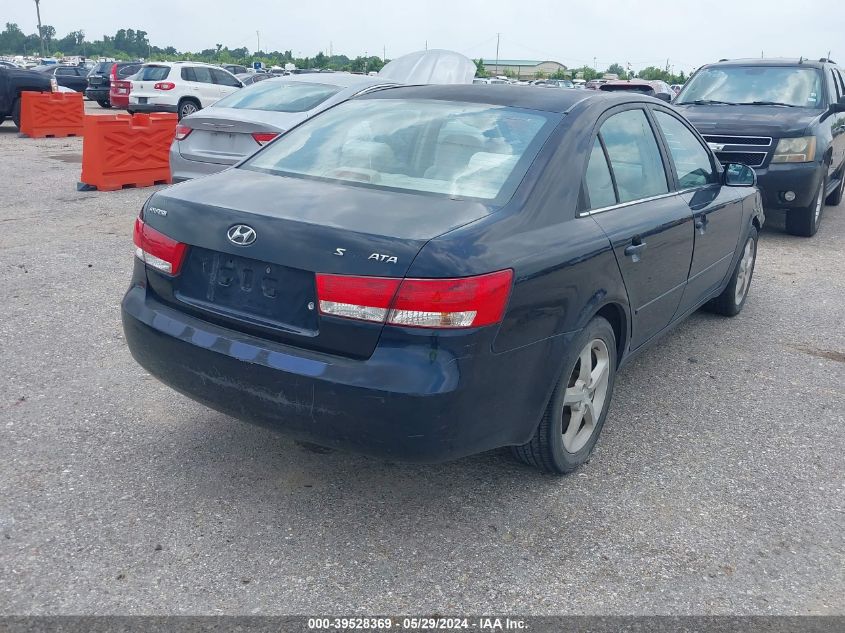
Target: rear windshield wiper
706 102
772 103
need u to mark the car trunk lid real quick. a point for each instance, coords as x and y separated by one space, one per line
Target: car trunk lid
302 227
224 136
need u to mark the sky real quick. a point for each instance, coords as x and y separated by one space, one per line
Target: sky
642 33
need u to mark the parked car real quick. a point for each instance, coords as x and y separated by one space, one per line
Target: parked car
783 117
13 81
676 88
235 69
180 87
73 77
101 77
247 79
652 88
235 127
427 272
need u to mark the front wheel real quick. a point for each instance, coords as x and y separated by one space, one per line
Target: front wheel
733 297
805 222
576 411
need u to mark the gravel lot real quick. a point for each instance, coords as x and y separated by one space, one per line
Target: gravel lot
717 486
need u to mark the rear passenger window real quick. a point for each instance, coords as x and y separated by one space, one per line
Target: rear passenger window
188 74
598 181
634 156
202 75
692 162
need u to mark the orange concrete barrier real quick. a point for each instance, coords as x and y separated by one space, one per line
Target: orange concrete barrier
51 114
126 150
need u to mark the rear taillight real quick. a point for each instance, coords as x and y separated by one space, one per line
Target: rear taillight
157 250
427 303
264 137
182 132
113 72
164 85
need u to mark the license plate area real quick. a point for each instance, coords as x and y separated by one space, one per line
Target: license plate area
248 290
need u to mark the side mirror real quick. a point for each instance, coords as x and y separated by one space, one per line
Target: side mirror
663 96
739 175
839 106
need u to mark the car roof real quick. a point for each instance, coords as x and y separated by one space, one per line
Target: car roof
346 80
771 61
529 97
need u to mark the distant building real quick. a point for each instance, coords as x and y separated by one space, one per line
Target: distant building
522 68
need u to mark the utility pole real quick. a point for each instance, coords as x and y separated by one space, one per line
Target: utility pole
595 64
426 45
498 37
258 37
384 53
40 34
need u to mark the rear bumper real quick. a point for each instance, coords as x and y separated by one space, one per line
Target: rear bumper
119 101
151 107
417 398
97 94
183 169
801 178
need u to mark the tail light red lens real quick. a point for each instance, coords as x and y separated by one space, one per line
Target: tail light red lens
157 250
426 303
182 132
164 85
264 137
113 72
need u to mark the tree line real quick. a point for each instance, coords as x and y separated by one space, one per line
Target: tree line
131 44
586 72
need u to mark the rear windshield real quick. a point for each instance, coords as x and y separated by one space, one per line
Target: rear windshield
152 73
456 149
280 96
786 85
102 68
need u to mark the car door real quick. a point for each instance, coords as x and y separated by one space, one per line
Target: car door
650 228
226 83
203 86
837 128
716 210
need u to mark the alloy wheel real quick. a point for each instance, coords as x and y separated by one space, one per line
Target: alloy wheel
585 396
188 108
746 268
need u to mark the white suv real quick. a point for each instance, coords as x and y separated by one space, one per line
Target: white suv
180 87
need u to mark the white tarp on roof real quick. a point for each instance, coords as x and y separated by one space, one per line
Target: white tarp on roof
430 67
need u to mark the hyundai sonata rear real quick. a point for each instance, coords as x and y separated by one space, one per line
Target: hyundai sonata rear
285 291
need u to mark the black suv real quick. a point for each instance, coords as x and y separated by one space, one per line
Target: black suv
13 81
101 76
783 117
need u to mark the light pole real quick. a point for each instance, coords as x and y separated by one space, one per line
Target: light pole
40 34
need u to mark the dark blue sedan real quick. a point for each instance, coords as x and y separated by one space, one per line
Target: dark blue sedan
429 272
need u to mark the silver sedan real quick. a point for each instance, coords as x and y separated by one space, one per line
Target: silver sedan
236 126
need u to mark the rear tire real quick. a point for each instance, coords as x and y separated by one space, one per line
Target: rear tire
581 397
104 104
187 107
16 113
805 222
732 299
